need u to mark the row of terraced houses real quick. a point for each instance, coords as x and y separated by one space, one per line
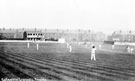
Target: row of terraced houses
122 36
42 34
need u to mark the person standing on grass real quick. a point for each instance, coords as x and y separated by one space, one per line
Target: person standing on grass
99 46
93 50
131 50
128 49
112 46
67 45
86 45
70 48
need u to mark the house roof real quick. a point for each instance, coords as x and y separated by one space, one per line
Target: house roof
125 32
47 30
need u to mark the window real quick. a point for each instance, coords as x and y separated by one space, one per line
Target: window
39 34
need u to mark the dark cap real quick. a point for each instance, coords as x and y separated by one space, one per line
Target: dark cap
93 46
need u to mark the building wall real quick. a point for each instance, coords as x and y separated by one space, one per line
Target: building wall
8 35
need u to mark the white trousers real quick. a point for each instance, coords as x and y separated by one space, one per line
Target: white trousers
70 49
131 50
93 57
128 50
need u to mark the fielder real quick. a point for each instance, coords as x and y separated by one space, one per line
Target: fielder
78 43
128 49
86 45
100 46
93 53
28 45
131 50
67 45
112 46
70 48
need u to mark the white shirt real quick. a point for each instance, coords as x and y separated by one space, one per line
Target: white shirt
131 49
93 50
128 49
70 47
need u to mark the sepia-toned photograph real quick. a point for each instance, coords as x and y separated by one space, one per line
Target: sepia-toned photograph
67 40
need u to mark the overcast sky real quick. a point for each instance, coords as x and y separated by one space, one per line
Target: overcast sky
98 15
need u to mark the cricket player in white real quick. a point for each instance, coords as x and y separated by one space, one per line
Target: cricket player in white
67 45
86 45
70 48
131 50
78 43
112 46
93 53
100 46
128 49
28 44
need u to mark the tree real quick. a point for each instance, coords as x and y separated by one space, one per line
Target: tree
89 31
25 35
23 29
79 30
130 31
1 36
57 30
120 31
